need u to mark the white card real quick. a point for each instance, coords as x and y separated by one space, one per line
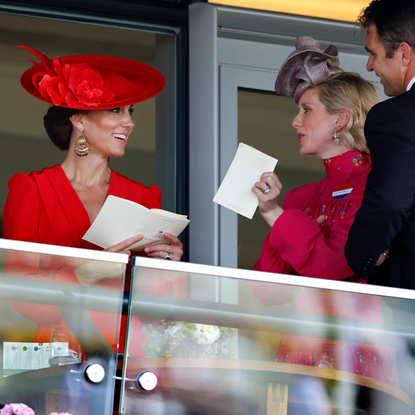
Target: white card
120 219
235 192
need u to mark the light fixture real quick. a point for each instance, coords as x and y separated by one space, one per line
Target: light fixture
346 10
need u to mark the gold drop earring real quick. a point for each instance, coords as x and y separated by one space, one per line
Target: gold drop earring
81 149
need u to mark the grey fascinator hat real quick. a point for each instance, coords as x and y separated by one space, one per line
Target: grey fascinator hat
306 67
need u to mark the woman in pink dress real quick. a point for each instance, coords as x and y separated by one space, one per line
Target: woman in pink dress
309 231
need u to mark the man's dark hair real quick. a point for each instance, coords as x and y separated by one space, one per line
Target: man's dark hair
394 21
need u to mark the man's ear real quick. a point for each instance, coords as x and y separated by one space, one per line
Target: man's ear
406 53
343 118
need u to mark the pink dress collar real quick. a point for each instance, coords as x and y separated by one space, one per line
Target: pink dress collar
345 163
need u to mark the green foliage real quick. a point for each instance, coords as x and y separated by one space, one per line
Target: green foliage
161 343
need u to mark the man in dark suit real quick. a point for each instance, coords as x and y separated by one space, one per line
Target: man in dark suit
385 224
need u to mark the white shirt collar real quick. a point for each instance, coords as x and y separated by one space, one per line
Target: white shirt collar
409 86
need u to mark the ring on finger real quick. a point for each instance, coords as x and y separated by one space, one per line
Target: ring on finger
168 257
266 189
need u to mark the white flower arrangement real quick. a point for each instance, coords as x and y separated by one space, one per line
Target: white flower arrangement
180 339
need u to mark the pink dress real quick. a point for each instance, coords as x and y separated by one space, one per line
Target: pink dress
298 245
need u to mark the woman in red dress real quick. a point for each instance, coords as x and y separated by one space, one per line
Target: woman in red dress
92 101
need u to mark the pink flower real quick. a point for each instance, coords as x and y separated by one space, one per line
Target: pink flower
6 410
22 409
17 409
76 85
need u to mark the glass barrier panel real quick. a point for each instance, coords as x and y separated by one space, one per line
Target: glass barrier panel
59 328
283 345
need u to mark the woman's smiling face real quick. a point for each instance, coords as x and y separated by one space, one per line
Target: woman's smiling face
107 131
315 127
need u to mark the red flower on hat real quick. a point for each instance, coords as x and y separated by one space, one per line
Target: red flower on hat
75 85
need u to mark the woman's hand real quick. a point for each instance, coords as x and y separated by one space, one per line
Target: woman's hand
268 205
174 250
122 247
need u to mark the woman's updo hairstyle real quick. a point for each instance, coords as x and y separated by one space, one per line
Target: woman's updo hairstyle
349 91
58 126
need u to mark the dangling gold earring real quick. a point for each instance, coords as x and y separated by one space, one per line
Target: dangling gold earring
336 136
81 149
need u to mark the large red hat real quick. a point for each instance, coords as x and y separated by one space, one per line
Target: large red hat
91 82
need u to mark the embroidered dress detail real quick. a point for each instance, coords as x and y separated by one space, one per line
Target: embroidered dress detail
338 196
345 163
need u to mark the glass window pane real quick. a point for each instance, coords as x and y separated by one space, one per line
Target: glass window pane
60 313
303 346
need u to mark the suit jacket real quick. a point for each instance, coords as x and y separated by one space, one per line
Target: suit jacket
386 219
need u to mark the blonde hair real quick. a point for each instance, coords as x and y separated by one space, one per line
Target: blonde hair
349 91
